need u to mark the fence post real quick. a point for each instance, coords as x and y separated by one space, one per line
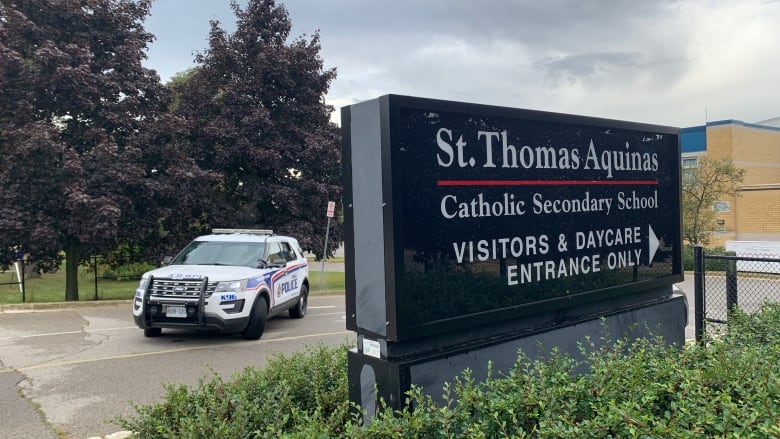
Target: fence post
21 279
731 283
95 268
698 292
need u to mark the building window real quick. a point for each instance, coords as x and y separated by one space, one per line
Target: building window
690 162
721 206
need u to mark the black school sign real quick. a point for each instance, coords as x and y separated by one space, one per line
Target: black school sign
461 214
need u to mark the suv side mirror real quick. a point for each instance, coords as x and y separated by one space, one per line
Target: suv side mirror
167 260
274 263
278 262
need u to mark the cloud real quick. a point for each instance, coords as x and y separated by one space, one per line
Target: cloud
590 65
656 61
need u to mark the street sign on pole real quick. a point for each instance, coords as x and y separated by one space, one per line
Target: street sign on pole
330 213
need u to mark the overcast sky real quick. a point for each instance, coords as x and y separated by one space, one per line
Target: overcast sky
677 63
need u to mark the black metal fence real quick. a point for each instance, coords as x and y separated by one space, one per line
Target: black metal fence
18 271
98 276
725 282
95 275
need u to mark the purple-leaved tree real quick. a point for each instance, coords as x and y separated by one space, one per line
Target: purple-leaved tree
256 113
82 128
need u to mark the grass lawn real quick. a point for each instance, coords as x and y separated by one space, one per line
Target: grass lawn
50 287
313 260
332 281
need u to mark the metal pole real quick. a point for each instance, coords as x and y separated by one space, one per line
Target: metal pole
324 252
94 258
698 292
202 300
731 283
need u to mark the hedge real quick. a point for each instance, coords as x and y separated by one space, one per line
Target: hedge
729 387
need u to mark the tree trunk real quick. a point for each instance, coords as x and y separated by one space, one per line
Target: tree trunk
72 257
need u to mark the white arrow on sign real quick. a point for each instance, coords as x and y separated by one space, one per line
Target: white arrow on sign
653 245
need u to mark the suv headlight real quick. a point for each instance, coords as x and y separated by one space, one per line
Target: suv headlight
144 283
231 286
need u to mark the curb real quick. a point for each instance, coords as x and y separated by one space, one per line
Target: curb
47 306
326 293
117 435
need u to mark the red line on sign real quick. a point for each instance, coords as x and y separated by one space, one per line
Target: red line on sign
545 182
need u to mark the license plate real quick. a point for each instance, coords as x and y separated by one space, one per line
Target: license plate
176 311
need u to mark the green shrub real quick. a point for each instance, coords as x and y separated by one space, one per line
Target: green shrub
128 271
124 272
729 387
290 394
710 264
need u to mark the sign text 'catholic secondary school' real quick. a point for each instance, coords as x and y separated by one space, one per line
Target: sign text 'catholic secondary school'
511 204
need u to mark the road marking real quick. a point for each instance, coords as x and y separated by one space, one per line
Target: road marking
19 337
168 351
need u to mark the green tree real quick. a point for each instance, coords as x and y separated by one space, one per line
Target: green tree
255 104
75 101
177 83
710 181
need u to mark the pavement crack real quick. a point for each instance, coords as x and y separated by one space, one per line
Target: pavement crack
92 336
19 383
25 391
92 340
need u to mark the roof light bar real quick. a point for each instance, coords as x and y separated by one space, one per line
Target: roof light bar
242 231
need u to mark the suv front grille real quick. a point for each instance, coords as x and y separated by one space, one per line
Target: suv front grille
180 288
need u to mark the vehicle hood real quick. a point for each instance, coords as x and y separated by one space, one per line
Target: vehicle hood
215 273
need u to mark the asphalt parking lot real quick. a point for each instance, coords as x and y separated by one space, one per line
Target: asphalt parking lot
69 372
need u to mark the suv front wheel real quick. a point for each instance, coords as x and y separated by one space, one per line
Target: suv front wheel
299 310
254 329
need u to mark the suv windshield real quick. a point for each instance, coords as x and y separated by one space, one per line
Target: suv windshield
244 254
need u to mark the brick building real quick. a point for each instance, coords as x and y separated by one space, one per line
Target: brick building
753 215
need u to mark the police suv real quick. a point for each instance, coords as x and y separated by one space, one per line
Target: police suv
232 280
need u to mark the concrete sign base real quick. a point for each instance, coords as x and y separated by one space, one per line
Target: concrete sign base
373 376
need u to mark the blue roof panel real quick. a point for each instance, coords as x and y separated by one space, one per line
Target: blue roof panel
693 139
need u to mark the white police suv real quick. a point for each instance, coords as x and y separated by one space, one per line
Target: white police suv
232 280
